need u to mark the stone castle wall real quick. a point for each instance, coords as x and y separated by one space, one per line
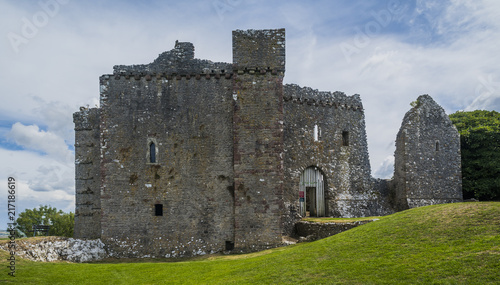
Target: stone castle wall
87 174
327 130
187 156
192 175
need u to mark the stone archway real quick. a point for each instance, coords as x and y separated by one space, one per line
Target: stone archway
312 193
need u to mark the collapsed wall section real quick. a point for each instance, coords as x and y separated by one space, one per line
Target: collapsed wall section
178 61
259 66
427 157
87 174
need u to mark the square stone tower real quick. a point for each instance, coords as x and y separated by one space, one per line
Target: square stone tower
259 67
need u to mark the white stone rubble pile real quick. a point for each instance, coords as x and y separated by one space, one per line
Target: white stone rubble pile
59 248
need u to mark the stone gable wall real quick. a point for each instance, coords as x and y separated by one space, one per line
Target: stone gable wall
427 158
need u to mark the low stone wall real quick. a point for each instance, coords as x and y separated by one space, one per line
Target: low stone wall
47 249
309 231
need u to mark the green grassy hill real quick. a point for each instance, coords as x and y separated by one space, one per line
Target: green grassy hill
442 244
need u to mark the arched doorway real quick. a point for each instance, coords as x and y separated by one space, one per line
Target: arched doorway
312 193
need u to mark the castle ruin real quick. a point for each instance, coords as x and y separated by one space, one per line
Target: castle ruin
187 156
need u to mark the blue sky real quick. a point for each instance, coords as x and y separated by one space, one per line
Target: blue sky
52 53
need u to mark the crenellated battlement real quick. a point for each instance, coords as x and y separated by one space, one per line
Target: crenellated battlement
306 95
205 73
138 75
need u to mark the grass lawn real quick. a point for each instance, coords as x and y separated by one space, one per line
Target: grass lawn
442 244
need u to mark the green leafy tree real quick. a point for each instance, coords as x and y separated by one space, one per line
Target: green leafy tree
61 224
480 147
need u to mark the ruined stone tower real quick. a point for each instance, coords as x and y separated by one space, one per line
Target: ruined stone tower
427 157
188 156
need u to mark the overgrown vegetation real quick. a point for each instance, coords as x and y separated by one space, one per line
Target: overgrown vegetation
61 224
480 146
442 244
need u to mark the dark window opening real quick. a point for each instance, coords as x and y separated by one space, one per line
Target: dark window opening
158 209
345 138
231 190
229 245
437 146
311 201
152 153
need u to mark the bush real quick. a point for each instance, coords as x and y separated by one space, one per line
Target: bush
61 224
480 146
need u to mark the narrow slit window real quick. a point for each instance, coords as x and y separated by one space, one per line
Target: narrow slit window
316 133
152 153
437 146
345 138
158 209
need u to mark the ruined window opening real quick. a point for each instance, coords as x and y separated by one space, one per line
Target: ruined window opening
158 209
345 138
229 245
152 153
317 133
437 146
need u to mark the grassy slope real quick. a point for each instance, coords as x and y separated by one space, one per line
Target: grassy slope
453 243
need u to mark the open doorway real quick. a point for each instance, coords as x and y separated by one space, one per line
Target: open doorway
312 193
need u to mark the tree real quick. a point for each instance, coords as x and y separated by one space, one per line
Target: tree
61 224
480 147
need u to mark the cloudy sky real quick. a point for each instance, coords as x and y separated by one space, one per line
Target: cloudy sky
52 53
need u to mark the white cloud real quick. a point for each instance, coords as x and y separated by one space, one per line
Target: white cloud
389 71
57 116
40 180
386 168
31 137
488 94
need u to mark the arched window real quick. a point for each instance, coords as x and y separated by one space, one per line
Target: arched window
152 153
